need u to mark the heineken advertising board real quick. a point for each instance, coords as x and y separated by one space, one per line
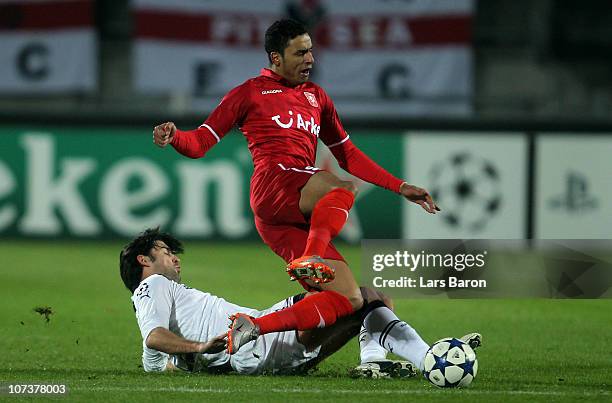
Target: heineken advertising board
105 182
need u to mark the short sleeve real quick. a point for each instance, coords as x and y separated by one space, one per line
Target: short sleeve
230 112
332 131
153 302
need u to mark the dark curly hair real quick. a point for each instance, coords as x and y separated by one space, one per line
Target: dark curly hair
129 268
280 33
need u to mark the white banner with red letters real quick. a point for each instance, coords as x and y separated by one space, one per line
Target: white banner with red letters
375 58
48 46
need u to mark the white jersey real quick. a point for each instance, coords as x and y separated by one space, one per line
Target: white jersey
200 316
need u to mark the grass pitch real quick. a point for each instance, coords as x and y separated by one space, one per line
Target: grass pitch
534 350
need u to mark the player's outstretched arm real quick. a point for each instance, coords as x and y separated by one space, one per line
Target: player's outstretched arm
163 134
162 339
354 161
419 196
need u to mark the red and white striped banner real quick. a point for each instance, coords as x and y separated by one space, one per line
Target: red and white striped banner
48 46
376 57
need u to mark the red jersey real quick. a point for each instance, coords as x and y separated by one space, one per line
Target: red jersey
282 125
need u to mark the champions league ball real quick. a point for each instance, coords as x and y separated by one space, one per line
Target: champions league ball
450 363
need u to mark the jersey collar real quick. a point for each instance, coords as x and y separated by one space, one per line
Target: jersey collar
274 76
265 72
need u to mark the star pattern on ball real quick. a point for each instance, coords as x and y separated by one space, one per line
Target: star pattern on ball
450 368
468 367
440 364
450 384
455 343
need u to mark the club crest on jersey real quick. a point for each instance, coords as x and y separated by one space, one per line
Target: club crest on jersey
312 100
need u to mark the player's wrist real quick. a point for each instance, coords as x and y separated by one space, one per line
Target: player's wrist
173 136
403 185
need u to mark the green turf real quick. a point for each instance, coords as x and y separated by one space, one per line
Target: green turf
535 350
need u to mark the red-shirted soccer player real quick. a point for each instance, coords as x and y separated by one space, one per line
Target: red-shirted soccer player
299 208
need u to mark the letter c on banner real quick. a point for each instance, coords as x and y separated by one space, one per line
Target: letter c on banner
205 74
32 62
393 81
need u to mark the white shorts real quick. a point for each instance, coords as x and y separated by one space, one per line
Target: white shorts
274 353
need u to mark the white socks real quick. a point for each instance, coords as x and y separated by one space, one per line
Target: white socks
395 335
369 349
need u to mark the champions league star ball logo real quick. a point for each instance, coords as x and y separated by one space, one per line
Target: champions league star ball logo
468 190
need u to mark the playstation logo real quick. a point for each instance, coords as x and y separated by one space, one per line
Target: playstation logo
576 197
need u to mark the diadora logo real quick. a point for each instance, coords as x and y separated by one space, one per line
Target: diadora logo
271 92
306 125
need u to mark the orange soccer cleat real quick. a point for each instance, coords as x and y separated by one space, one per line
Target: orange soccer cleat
310 268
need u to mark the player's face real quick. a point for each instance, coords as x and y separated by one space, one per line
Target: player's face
297 60
165 262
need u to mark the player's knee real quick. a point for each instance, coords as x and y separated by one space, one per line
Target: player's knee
356 300
348 185
387 300
354 297
370 295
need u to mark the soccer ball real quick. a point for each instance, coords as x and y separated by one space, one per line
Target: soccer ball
450 363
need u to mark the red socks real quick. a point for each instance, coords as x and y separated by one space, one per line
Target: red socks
323 308
328 217
317 310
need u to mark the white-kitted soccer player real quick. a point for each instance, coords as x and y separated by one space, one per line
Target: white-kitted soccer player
185 328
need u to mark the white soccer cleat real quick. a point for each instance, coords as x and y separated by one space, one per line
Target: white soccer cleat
242 330
474 340
384 369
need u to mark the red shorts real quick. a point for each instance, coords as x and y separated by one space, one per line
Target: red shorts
289 241
278 218
275 193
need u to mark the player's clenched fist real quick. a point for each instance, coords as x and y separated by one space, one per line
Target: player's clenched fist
163 134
